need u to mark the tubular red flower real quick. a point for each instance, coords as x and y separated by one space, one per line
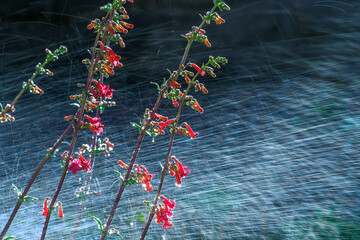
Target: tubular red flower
197 68
163 125
46 209
61 214
163 212
128 25
122 164
190 131
187 79
159 117
176 104
178 170
174 84
207 43
145 177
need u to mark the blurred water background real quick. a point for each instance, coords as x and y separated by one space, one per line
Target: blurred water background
277 156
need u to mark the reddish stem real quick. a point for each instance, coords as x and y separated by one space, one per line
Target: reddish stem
28 186
78 123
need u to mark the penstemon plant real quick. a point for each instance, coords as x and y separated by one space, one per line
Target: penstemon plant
96 96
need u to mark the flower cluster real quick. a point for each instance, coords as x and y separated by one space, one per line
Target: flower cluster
4 117
77 164
197 34
139 175
163 212
102 90
46 208
178 170
94 124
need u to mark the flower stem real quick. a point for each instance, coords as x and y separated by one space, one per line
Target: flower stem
144 128
78 122
166 165
28 186
5 110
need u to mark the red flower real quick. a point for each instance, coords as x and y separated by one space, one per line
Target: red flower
122 164
174 84
145 177
159 117
103 90
46 209
79 164
178 170
95 125
60 210
163 125
163 212
196 106
128 25
187 79
110 55
190 131
176 104
197 68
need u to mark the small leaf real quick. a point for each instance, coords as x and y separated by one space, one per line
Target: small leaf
136 125
11 237
140 217
119 174
75 104
157 85
99 224
29 197
1 106
148 205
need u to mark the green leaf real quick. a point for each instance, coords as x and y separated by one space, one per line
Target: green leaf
148 205
157 85
29 197
119 174
1 106
99 224
98 151
136 125
140 217
118 234
11 237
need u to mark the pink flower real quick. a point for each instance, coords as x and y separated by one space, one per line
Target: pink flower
103 90
163 212
95 125
79 164
178 170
